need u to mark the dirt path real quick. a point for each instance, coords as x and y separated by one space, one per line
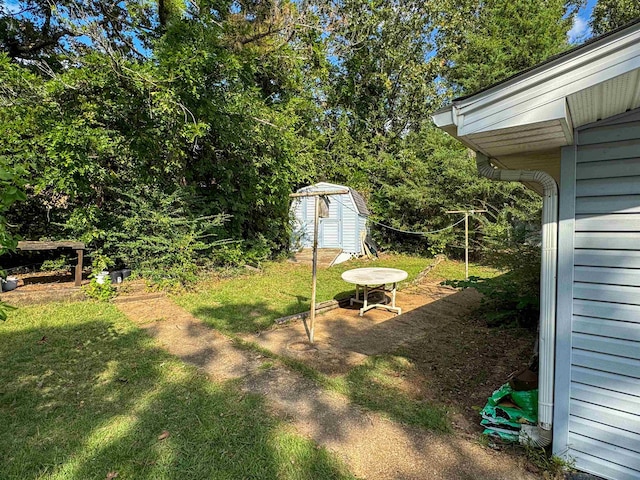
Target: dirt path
370 445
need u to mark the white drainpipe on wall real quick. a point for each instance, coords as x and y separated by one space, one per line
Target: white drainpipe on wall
548 275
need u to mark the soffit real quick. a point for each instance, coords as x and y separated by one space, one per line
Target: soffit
612 97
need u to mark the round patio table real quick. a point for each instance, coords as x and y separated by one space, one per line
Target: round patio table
373 280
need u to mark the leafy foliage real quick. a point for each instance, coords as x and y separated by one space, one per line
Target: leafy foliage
154 233
611 14
513 298
12 178
497 38
143 125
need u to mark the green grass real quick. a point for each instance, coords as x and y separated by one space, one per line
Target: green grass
83 393
252 302
454 270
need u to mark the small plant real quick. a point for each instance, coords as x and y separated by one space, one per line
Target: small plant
102 292
551 466
58 264
506 300
100 288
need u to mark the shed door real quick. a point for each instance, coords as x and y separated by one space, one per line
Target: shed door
330 230
604 405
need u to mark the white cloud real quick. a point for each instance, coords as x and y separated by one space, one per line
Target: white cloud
580 30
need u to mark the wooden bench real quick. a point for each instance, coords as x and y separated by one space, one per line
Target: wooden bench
77 246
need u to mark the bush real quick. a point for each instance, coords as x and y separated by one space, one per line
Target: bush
55 265
155 233
511 299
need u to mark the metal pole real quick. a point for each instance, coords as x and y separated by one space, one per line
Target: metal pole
466 236
317 194
312 314
466 245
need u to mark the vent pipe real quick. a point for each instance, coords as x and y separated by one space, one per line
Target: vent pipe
548 274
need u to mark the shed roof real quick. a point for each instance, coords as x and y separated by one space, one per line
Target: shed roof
358 200
524 121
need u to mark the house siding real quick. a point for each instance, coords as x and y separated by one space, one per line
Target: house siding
598 363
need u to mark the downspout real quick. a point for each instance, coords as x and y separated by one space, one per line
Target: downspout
548 274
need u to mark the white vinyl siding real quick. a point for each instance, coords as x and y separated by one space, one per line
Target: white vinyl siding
604 386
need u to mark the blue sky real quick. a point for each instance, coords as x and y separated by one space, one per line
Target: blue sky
581 30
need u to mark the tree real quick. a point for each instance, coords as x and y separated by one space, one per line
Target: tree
608 15
12 172
220 111
501 37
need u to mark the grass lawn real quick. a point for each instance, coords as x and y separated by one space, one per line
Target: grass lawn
252 302
84 394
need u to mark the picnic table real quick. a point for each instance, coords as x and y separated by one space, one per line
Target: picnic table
375 279
77 246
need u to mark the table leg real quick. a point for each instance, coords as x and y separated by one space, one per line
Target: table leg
364 300
393 294
79 268
357 299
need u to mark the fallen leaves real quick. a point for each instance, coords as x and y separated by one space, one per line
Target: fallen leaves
43 340
111 475
164 435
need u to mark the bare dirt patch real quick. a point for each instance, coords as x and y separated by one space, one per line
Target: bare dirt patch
454 358
43 287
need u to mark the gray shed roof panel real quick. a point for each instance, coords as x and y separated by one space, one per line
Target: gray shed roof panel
361 205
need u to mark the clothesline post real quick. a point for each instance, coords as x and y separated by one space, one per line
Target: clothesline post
466 237
314 268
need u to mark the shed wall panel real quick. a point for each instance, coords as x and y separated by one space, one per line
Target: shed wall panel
607 258
605 241
608 223
618 401
608 186
609 276
612 151
605 451
610 169
602 468
610 381
338 230
613 311
607 328
602 344
628 367
607 416
609 134
608 204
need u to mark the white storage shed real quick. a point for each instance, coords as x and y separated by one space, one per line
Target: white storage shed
344 227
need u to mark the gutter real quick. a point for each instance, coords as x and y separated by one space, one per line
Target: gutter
542 435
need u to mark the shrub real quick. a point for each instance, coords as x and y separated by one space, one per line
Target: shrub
155 233
511 299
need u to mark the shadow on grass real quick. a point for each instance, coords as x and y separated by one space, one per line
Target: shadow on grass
369 385
84 393
240 317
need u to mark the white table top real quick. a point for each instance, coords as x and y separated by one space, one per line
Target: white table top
374 276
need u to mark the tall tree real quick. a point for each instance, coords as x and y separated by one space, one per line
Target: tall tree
497 38
608 15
